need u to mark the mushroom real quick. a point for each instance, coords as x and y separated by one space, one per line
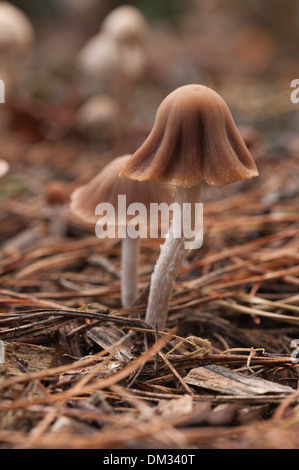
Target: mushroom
56 196
16 38
126 24
4 167
106 187
115 58
99 61
103 66
194 137
16 31
98 118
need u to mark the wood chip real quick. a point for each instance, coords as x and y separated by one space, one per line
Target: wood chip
106 337
226 381
21 357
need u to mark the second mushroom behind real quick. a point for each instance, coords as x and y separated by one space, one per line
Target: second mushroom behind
194 137
107 187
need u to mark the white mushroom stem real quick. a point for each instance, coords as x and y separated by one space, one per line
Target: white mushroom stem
170 260
129 265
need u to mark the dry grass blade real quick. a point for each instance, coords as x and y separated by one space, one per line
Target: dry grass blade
254 311
223 380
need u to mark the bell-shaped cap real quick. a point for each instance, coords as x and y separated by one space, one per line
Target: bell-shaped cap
126 23
194 137
108 185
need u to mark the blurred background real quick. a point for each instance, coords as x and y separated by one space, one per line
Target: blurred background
78 95
247 51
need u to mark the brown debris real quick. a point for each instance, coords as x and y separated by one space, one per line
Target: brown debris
235 310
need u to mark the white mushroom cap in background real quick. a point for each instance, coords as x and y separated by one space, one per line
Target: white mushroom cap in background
16 40
4 167
118 48
128 27
125 24
102 58
16 30
98 117
99 57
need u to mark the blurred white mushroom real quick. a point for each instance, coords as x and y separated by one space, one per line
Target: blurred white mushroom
16 37
16 31
108 65
126 24
115 59
98 118
99 62
4 167
129 28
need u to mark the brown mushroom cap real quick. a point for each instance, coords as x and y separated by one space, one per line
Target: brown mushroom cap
194 137
108 185
56 193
